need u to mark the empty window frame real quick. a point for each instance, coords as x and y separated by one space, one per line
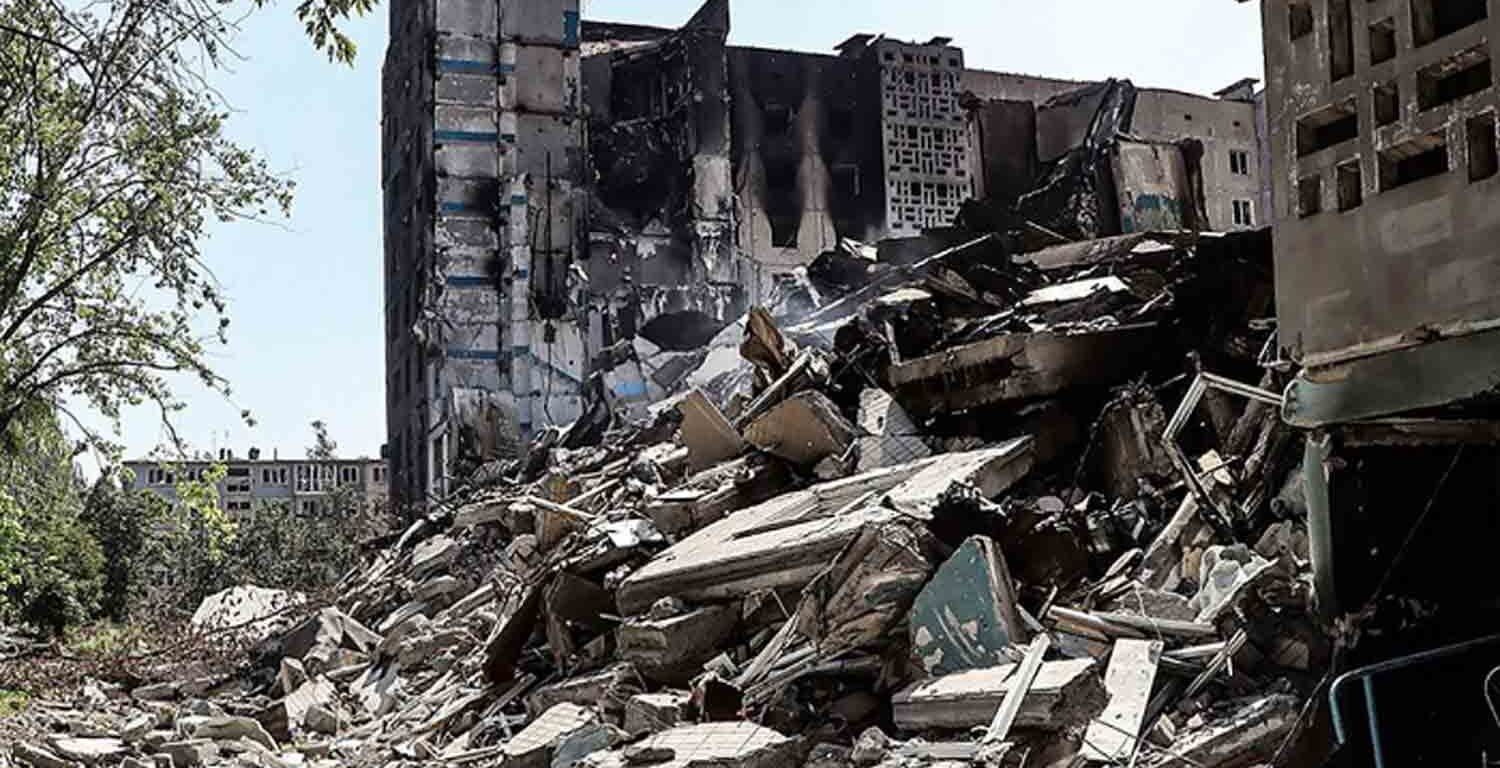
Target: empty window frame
1239 162
1334 124
1350 186
1413 161
1480 133
1340 40
1432 19
1451 79
1309 196
1300 18
1244 213
1383 40
1387 104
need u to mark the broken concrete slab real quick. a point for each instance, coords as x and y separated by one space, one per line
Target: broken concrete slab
990 472
249 611
606 691
709 437
708 745
190 752
673 650
781 543
967 614
89 751
887 434
37 757
230 728
1019 366
1132 669
1251 733
803 429
1127 447
280 716
1064 694
533 746
655 712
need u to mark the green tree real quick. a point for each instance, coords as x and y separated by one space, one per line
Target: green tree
51 568
112 162
129 529
323 447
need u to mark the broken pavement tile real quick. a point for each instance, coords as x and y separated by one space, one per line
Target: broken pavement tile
532 747
708 745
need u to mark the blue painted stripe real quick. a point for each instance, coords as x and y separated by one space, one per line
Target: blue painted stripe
457 353
517 199
485 137
521 272
507 69
630 388
469 281
448 206
466 66
509 138
570 28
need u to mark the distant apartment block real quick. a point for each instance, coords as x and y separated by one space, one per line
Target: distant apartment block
305 484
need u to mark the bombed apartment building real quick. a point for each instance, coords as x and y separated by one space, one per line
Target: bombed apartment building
564 197
1382 132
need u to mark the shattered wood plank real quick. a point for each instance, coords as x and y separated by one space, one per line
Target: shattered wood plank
1128 680
1019 366
1010 706
775 392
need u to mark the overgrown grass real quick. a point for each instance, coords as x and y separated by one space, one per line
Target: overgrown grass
105 640
13 702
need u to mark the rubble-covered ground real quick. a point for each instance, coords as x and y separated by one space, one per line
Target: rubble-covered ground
981 508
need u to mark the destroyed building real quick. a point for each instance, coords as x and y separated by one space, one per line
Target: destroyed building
555 188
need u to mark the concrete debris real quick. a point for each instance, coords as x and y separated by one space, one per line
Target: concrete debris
951 518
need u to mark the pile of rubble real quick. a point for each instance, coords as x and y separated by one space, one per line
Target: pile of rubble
936 513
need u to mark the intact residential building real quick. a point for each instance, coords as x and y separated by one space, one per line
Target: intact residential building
556 187
304 484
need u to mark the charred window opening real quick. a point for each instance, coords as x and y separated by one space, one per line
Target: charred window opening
1432 19
1309 196
841 124
1413 161
1464 74
1340 39
1351 186
782 204
777 120
681 331
1328 126
1383 41
1387 104
1300 18
1483 162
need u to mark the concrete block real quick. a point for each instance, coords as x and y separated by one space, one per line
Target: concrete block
673 650
655 712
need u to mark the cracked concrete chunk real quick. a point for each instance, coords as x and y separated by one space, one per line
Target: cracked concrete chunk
1064 694
803 429
709 745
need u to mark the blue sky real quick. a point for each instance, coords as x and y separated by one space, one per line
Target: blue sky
306 293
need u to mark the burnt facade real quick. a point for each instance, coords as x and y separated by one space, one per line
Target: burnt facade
1383 140
564 197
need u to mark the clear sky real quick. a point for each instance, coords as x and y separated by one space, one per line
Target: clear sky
306 294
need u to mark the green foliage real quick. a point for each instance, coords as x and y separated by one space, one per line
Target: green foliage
53 567
323 447
281 546
128 528
321 19
13 702
112 161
